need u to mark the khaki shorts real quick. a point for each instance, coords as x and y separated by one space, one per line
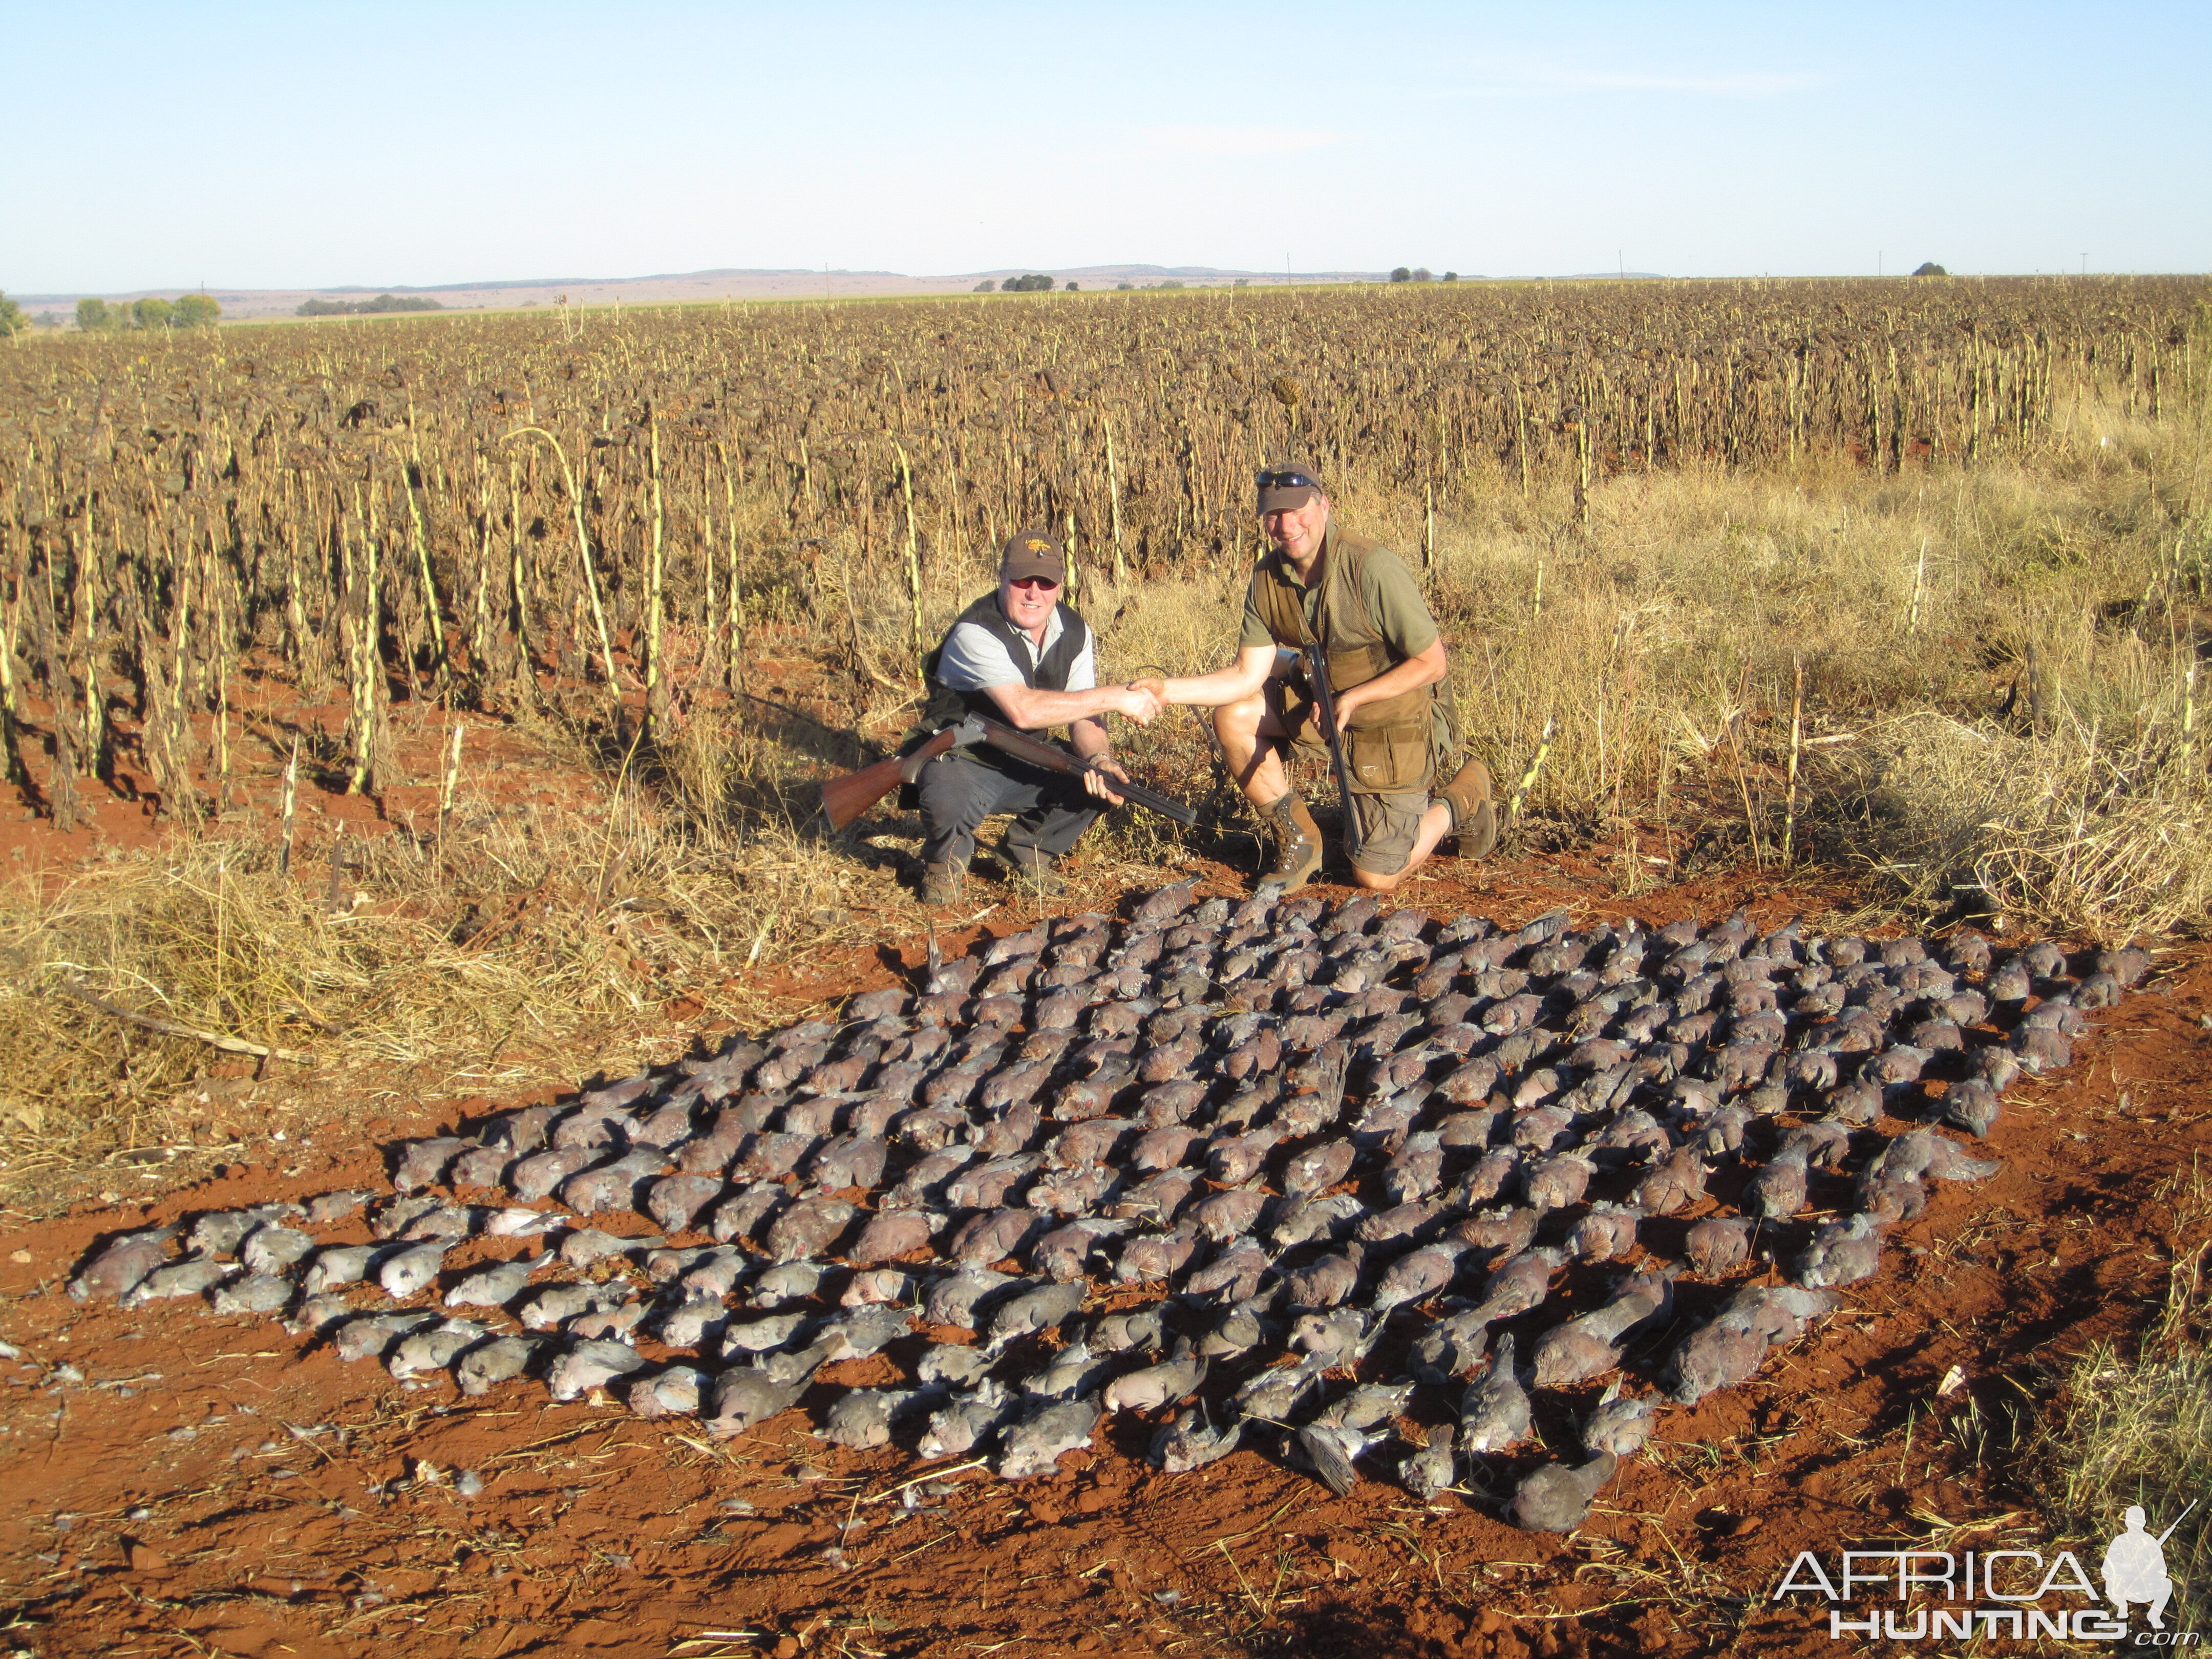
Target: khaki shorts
1388 824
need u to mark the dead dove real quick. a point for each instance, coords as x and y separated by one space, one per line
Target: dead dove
193 1276
1493 1414
1041 1308
1619 1423
371 1336
861 1418
745 1396
963 1423
1191 1442
676 1392
253 1293
589 1365
1418 1275
1558 1498
1604 1232
1673 1185
1450 1347
434 1347
1330 1450
494 1286
1117 1333
1590 1346
1433 1468
1034 1445
1778 1191
1719 1245
406 1272
1155 1386
276 1250
124 1265
1842 1252
484 1367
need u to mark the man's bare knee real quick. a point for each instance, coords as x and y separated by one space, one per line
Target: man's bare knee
1375 883
1240 720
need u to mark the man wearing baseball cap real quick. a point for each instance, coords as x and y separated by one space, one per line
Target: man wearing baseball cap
1386 664
1019 654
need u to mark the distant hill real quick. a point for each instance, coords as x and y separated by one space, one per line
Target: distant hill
516 293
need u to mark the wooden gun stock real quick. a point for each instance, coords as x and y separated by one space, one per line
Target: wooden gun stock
845 798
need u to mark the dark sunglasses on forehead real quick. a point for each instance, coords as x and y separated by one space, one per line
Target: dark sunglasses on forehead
1291 480
1036 584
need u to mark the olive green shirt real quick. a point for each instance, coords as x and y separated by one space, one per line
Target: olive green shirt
1393 598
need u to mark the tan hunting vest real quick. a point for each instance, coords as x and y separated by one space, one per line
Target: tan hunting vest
1392 745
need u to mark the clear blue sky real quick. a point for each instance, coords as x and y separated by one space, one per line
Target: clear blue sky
307 145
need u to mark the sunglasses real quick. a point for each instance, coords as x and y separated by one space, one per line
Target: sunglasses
1290 480
1036 584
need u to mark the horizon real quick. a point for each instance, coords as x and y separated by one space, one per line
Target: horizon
1718 140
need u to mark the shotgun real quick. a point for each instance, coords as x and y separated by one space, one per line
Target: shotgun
1324 701
845 798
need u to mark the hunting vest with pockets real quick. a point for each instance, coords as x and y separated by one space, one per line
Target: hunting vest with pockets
1394 746
946 706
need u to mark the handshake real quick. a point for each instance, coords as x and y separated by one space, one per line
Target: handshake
1141 700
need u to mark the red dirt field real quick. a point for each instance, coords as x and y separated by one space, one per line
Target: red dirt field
183 1484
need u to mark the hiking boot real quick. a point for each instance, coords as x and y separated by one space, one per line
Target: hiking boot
1298 846
1473 814
1029 869
941 883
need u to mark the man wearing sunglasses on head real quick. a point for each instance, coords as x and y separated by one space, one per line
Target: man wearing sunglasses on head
1386 663
1022 655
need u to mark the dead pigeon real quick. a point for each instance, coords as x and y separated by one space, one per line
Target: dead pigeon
1041 1308
1590 1346
1433 1468
1156 1386
484 1367
1493 1414
124 1265
406 1272
1034 1445
963 1423
274 1250
434 1347
1842 1253
192 1276
1619 1423
745 1396
1719 1245
676 1392
494 1286
589 1365
1329 1450
1673 1185
1558 1498
1605 1231
1777 1192
253 1293
1191 1442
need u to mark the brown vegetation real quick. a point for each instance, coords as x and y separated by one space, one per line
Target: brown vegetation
543 627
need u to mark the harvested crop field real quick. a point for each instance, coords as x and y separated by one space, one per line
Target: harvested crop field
414 729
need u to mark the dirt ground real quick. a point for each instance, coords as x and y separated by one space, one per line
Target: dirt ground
176 1483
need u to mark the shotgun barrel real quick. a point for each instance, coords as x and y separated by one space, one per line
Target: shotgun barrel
1324 701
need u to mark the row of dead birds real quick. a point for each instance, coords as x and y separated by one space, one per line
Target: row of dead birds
932 1100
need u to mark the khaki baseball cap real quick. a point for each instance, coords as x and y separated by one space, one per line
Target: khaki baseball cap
1287 487
1032 553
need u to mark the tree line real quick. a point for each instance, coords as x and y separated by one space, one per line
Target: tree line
380 304
96 316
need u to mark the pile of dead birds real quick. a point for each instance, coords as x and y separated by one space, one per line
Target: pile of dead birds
1271 1173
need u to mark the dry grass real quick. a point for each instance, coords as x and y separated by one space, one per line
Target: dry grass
2138 1430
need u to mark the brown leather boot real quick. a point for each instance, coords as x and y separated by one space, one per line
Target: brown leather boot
1029 869
1297 845
1475 815
941 883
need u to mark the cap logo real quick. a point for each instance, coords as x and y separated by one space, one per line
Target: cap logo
1034 545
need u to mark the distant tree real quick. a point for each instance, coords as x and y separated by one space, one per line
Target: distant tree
195 310
12 319
1421 274
986 286
1171 283
1401 274
381 303
1034 282
1242 282
1071 287
50 320
1124 288
152 312
92 315
1931 269
1451 275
